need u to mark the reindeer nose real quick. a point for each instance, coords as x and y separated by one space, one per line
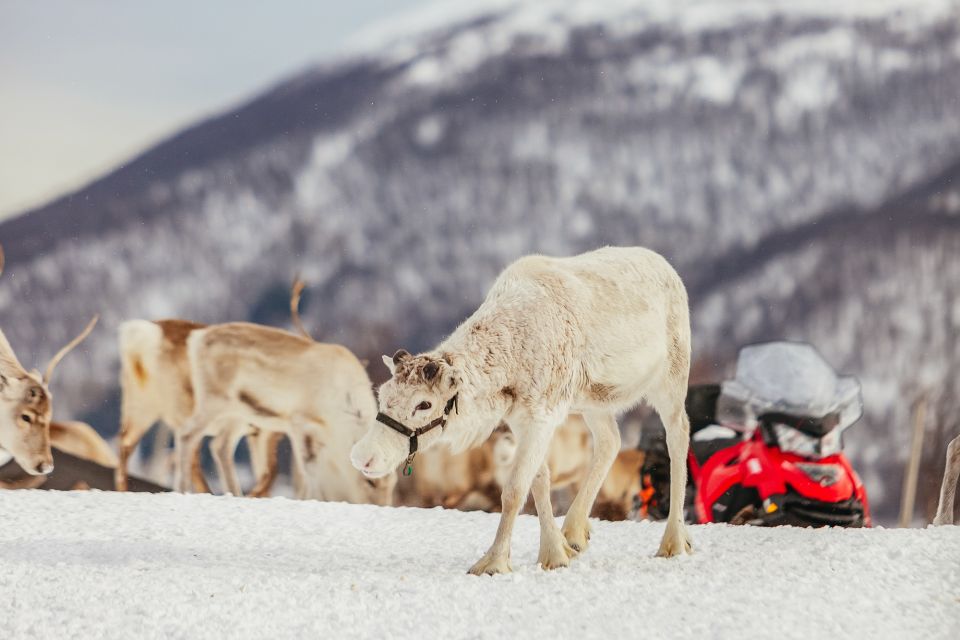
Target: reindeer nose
44 468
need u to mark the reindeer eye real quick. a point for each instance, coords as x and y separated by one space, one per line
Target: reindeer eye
423 406
26 418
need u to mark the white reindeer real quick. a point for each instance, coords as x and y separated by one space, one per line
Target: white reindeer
592 334
26 406
473 479
948 490
156 386
568 460
462 480
318 394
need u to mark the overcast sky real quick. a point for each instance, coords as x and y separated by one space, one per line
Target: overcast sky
84 85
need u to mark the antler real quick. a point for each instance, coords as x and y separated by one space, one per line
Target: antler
295 292
65 350
8 359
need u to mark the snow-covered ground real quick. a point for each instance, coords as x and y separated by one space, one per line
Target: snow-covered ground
114 565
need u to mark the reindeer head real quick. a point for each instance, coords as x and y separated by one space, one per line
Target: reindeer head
416 395
26 407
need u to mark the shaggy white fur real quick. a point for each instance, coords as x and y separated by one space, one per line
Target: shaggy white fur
593 334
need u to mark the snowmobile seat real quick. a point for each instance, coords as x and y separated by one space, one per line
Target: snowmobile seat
703 449
701 405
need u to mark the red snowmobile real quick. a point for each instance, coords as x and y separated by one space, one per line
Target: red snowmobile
766 447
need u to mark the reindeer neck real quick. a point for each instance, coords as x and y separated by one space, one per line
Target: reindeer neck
477 349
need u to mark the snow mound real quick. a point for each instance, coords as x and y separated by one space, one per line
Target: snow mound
117 565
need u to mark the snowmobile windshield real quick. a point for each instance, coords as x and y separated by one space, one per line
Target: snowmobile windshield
788 378
796 441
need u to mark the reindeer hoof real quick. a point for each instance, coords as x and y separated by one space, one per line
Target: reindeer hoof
491 565
556 554
675 541
577 536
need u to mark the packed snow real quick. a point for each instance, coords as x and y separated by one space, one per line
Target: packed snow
106 565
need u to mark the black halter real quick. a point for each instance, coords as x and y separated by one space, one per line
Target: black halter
414 434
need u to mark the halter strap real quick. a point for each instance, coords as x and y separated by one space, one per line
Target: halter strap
414 434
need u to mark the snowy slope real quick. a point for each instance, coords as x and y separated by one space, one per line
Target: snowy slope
115 566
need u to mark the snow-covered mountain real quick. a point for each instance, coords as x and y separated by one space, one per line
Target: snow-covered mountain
797 161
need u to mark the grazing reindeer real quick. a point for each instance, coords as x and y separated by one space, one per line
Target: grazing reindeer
948 490
568 457
462 480
592 334
318 394
568 460
26 406
473 479
623 483
156 386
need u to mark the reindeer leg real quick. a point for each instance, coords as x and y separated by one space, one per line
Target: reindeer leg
301 478
263 459
133 425
532 445
187 441
606 444
186 445
554 550
675 539
199 481
224 446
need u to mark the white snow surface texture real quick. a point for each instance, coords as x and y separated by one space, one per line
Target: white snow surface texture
107 565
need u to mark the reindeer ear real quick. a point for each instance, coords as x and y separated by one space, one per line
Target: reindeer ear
430 371
451 379
400 356
387 361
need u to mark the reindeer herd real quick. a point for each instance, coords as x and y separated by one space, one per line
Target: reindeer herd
524 395
239 381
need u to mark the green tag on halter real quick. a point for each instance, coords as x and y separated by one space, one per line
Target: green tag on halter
407 470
